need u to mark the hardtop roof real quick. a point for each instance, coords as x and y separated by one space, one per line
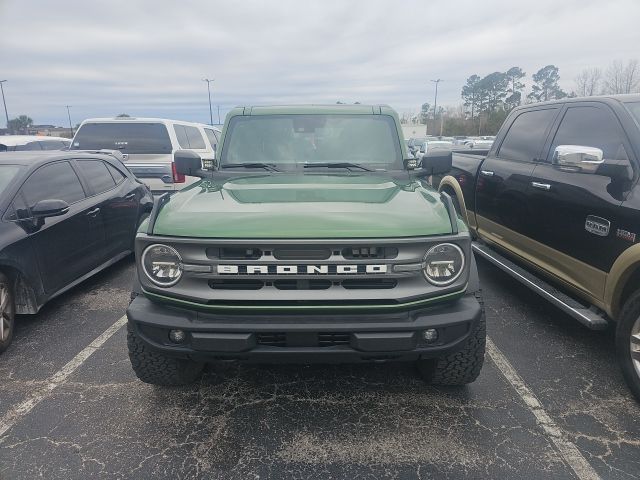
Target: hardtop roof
310 109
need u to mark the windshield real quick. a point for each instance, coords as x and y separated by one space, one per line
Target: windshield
7 174
634 108
128 137
287 141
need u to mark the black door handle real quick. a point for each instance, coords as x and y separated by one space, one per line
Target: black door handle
93 212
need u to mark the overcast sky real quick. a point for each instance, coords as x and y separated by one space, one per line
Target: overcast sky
148 58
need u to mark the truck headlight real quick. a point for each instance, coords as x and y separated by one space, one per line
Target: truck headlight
443 264
162 264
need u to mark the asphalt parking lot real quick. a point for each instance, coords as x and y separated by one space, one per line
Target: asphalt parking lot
550 403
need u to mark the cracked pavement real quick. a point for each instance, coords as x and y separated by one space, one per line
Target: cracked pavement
292 421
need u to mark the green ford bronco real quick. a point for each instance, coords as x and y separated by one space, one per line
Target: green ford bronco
313 237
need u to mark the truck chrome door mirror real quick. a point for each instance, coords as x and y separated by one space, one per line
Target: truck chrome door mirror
578 158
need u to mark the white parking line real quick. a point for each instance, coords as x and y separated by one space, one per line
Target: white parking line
567 449
20 410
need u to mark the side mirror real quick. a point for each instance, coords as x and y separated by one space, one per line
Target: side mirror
188 163
49 208
578 158
437 162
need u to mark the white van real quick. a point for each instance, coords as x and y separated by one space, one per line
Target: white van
148 145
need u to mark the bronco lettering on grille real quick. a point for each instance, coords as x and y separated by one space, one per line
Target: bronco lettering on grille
300 269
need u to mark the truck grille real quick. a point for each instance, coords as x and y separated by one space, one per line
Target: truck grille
354 273
301 252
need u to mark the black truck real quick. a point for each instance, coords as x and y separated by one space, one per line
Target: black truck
555 203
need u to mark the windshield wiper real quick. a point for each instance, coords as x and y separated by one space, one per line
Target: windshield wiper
346 165
266 166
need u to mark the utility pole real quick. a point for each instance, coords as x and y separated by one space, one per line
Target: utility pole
209 90
69 115
218 114
4 102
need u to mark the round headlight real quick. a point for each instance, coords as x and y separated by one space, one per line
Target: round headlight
162 264
443 264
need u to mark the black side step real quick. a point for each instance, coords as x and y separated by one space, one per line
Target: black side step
588 317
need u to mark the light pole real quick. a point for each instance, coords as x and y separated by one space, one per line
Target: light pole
209 90
435 101
4 102
69 115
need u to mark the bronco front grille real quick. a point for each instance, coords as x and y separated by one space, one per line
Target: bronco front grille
269 274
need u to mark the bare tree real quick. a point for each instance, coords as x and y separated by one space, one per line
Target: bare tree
621 78
588 82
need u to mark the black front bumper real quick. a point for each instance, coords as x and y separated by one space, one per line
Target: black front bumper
304 337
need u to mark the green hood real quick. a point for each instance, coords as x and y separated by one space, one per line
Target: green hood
304 206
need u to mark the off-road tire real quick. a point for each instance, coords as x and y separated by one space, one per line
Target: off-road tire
153 367
628 316
463 366
7 312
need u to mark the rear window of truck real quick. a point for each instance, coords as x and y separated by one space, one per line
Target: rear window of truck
131 138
